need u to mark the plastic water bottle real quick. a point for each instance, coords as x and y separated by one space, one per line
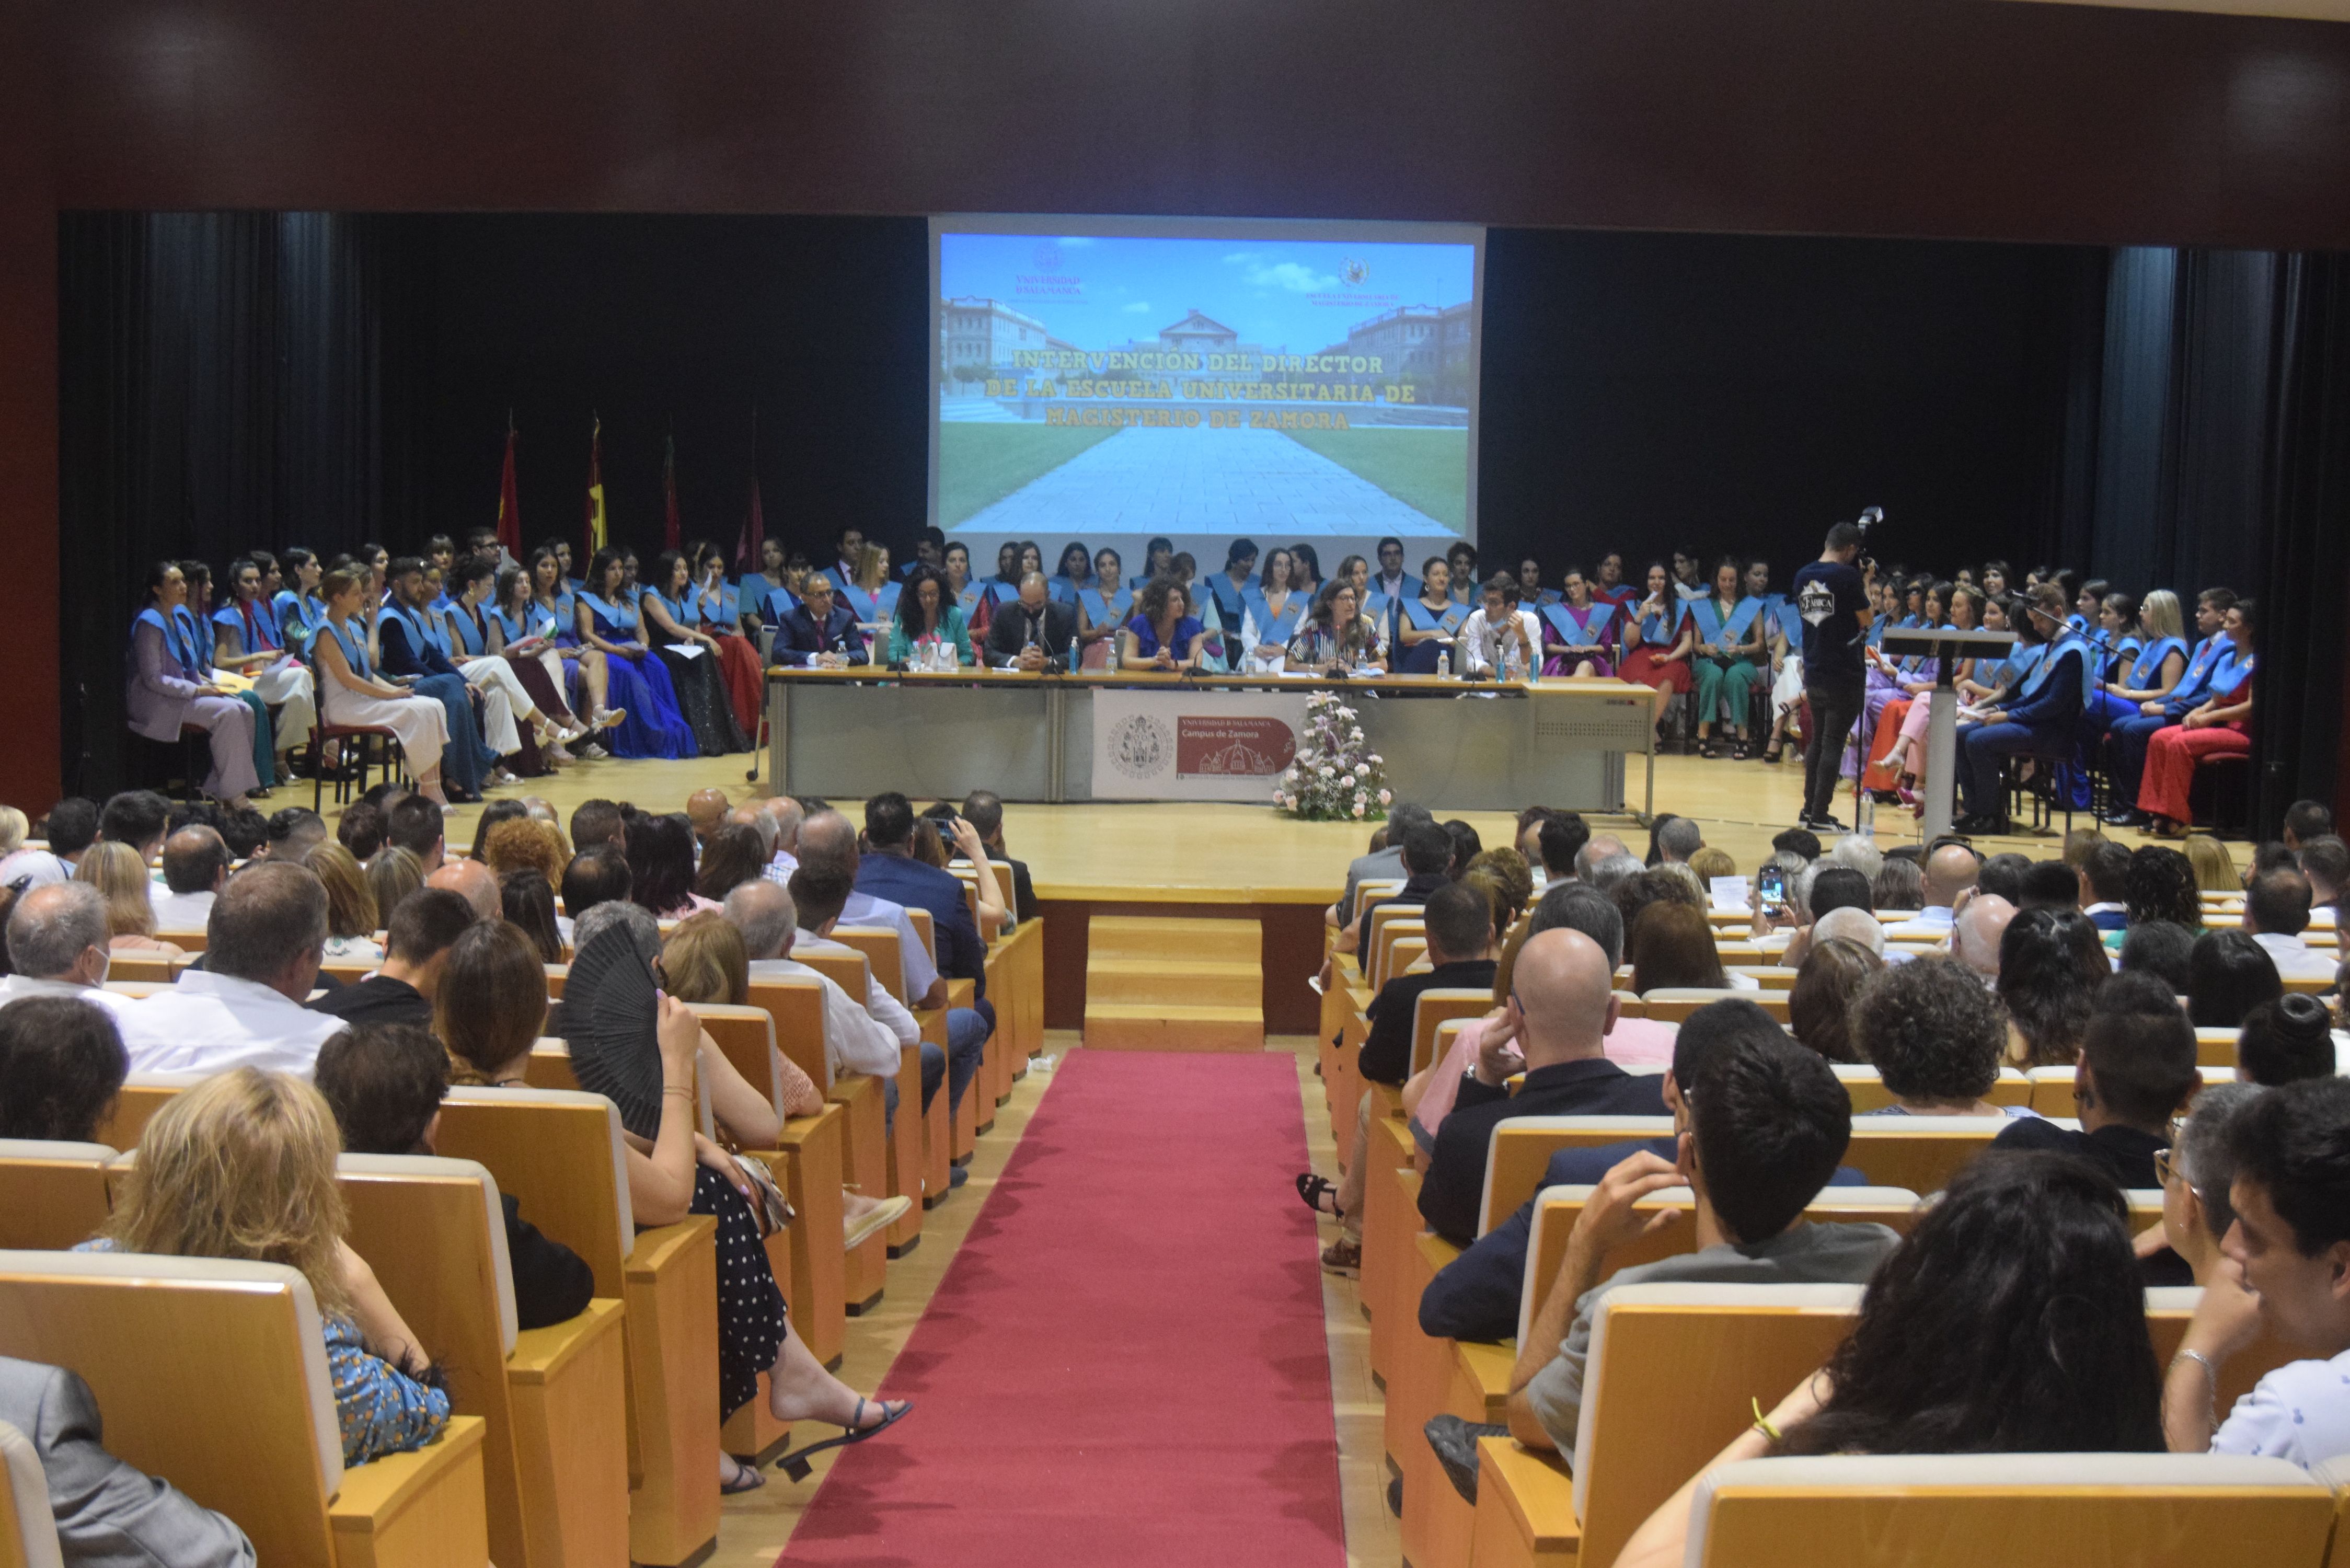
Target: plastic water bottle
1444 664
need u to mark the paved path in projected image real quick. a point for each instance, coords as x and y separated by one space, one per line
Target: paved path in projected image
1200 481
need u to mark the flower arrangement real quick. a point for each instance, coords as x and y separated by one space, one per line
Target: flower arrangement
1333 779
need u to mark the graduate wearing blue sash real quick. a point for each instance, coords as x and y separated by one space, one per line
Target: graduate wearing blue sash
1578 631
2210 670
1229 588
1424 624
2039 721
639 682
2147 663
1727 676
167 685
412 646
1103 610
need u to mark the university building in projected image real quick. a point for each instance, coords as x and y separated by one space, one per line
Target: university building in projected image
982 333
1431 345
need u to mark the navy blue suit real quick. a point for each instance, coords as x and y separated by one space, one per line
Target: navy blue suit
798 639
468 759
2040 726
1476 1295
902 879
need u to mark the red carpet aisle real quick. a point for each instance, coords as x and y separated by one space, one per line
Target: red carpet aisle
1126 1363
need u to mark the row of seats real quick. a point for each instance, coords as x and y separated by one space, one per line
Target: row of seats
1675 1370
594 1442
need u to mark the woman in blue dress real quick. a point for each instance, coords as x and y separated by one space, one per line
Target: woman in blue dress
1164 635
639 683
697 671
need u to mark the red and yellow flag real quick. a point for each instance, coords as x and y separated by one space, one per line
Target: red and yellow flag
596 530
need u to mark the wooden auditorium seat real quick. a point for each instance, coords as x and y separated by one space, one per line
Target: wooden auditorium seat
1519 1152
2216 1048
52 1195
2052 1087
1406 954
849 971
213 1373
2019 1511
187 941
143 1095
1671 1004
29 1529
1869 1094
556 1454
1438 1005
561 1156
879 947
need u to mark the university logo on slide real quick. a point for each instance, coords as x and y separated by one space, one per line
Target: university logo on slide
1139 746
1239 746
1355 273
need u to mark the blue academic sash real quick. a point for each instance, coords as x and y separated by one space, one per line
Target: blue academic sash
779 603
1060 589
535 621
1742 616
1231 601
2114 657
752 589
1271 628
191 650
476 639
2147 669
421 641
1426 619
1710 626
1588 631
621 617
2195 684
354 651
1098 612
293 609
1659 630
722 607
175 642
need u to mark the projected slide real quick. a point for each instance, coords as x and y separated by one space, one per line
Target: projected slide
1292 380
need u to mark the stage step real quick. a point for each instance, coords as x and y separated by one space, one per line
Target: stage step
1173 984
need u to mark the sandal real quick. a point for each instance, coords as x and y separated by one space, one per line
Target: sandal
1711 750
1741 750
746 1477
795 1463
1313 1187
1776 752
1343 1256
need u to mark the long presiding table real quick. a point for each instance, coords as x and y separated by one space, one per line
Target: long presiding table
1490 746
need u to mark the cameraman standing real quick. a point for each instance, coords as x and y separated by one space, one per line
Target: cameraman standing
1832 596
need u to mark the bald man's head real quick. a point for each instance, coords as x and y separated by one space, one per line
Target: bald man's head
706 809
787 817
1565 990
829 841
1950 871
472 881
1974 936
1852 925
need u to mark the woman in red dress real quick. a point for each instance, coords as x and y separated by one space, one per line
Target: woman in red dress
2217 728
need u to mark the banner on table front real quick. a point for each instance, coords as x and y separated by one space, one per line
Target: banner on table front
1201 744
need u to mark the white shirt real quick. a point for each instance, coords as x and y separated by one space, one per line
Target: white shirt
18 987
886 1009
211 1023
865 910
853 1041
1932 923
1482 650
34 867
2294 960
180 911
781 867
2299 1412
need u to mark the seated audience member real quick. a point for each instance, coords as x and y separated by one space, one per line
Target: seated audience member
984 809
2305 820
1768 1122
352 919
1977 933
1950 870
1673 949
392 875
2285 1039
2163 949
1800 842
138 818
1819 1004
416 946
2001 875
2160 886
1598 850
2196 1172
2229 974
939 835
1936 1037
1427 865
828 845
785 815
359 829
668 1180
855 1042
1824 887
527 903
1554 1029
118 873
472 881
1678 838
196 866
2136 1068
523 842
109 1515
1898 885
242 1165
295 832
2021 1279
59 945
1476 1295
660 849
2050 885
385 1084
1560 841
71 828
756 914
2104 876
735 854
2215 868
61 1065
706 813
1857 927
597 875
1460 954
417 824
2326 861
2290 1243
2276 912
244 1008
2051 965
595 821
888 871
1381 864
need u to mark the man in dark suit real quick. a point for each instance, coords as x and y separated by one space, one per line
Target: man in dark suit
1032 628
109 1515
888 871
1460 954
821 633
984 809
1560 1009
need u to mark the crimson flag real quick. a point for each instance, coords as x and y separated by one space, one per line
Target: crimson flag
668 494
510 500
754 525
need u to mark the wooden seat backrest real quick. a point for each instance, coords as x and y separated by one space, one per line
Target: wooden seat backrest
2019 1511
1437 1006
143 1095
1404 922
187 941
848 970
2052 1087
2216 1047
559 1153
1704 1351
2168 1310
1770 977
1405 953
1519 1150
925 932
28 1528
153 968
556 975
795 1011
52 1195
1868 1092
1920 1153
1672 1004
749 1040
880 946
211 1373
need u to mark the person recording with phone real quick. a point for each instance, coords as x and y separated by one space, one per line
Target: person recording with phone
1032 632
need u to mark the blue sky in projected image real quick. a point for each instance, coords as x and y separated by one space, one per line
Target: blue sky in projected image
1289 295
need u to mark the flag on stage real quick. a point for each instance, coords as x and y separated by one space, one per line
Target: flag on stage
747 546
509 499
669 493
596 529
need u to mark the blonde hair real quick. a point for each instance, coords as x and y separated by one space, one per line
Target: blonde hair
116 870
2158 617
392 875
706 961
350 901
524 843
1711 862
2215 869
1511 884
239 1166
13 828
872 567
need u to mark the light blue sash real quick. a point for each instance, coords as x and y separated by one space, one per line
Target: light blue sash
2147 670
1580 629
622 618
1098 612
354 651
1658 628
